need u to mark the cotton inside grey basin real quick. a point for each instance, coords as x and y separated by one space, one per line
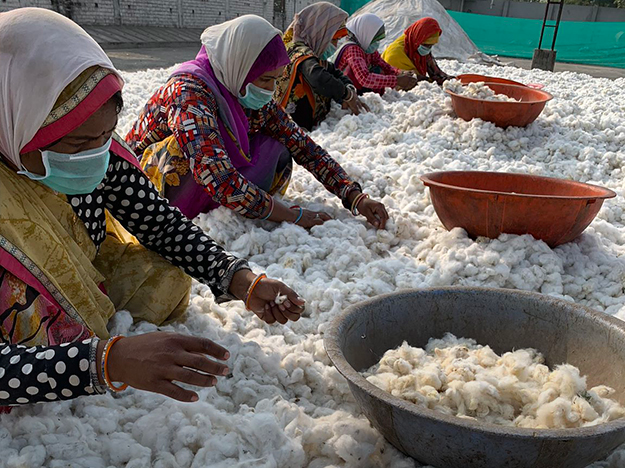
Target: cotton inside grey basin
504 319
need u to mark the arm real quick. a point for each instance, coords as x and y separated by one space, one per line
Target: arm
277 124
357 60
434 71
47 373
325 82
132 199
192 112
386 67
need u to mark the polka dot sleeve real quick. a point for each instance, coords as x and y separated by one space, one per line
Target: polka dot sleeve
134 201
44 373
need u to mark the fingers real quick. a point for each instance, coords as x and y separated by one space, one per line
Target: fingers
324 216
196 344
193 378
201 363
382 215
365 106
174 391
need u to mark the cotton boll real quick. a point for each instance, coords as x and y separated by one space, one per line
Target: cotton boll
459 377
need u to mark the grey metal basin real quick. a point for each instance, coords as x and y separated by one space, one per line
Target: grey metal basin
505 320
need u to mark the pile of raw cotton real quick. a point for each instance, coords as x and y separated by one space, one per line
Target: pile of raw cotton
477 90
459 377
285 405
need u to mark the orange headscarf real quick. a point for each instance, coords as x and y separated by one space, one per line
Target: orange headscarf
415 35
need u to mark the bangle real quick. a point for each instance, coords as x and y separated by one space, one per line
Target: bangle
105 372
250 290
301 213
270 210
356 201
93 367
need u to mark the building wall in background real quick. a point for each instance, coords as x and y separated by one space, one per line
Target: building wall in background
165 13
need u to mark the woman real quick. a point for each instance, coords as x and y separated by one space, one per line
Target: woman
358 58
412 51
69 189
310 82
212 135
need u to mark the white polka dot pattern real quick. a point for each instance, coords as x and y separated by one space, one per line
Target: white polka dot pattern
44 373
134 201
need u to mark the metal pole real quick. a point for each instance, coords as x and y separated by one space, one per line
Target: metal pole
555 32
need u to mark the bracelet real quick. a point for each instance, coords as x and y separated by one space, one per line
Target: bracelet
356 201
270 210
93 366
301 213
250 290
105 373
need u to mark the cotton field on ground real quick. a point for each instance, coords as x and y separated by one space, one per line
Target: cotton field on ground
285 405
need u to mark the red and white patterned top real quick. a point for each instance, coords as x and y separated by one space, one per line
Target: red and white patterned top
360 65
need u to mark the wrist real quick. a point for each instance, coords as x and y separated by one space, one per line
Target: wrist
241 281
99 352
351 196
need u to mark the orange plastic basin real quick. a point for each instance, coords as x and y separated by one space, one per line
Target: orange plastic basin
491 203
470 78
503 114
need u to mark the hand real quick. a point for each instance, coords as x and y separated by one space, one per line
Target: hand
406 82
154 361
355 105
263 302
263 299
312 218
374 211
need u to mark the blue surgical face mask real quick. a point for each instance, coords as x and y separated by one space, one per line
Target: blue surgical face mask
329 52
73 174
255 97
372 47
424 50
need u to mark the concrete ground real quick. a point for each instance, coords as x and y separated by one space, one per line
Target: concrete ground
134 59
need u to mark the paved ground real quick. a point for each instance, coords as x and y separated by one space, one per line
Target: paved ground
133 59
597 72
138 48
140 59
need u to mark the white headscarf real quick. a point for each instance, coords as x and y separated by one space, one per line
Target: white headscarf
364 28
316 24
234 46
41 52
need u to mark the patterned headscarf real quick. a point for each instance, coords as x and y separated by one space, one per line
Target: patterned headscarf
315 26
41 53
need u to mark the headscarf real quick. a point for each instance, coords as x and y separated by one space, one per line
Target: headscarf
41 53
416 35
242 49
316 24
364 28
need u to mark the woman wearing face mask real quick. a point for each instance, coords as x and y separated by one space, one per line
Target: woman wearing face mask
212 135
412 51
310 81
71 198
359 59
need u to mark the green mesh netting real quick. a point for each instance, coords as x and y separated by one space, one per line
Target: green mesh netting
578 42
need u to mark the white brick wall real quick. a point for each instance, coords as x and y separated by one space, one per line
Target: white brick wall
164 13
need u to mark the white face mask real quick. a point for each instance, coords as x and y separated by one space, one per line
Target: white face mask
73 174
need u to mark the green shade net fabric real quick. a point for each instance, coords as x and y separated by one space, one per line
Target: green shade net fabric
588 43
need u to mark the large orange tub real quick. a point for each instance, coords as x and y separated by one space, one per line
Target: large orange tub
471 78
503 114
491 203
